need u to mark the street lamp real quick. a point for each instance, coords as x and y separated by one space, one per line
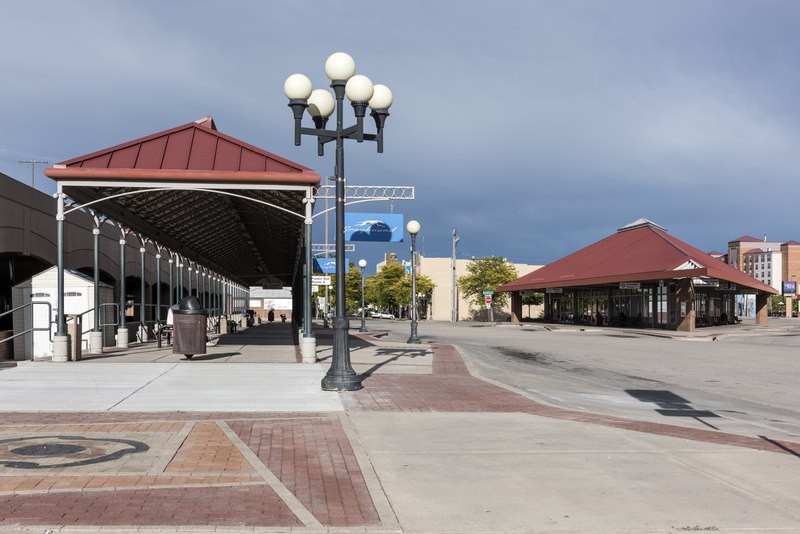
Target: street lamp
362 264
413 229
341 70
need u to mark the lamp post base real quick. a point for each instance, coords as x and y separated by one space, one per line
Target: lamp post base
341 376
342 382
414 339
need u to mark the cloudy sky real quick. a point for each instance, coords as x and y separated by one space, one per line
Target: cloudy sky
533 127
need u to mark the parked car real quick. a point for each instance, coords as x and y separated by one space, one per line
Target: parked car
382 315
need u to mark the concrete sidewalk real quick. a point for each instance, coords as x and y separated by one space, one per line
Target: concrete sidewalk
242 439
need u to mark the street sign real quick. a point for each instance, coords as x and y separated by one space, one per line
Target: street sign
320 280
488 293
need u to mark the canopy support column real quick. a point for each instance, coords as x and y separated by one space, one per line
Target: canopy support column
61 337
308 343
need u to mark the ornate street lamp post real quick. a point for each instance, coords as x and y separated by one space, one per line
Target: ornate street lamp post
362 264
340 69
413 229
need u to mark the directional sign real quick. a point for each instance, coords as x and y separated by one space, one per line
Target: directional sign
321 280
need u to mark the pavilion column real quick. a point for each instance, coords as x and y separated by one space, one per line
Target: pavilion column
516 307
684 304
761 308
61 338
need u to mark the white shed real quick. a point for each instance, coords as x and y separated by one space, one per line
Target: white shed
78 299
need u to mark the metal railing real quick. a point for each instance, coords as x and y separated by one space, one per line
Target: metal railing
48 328
114 315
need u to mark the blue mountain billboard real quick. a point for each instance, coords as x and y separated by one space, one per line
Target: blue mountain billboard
386 227
328 265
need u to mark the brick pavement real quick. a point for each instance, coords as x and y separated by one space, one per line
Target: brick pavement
210 468
190 474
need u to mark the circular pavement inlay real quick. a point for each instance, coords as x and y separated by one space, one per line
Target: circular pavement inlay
64 451
48 449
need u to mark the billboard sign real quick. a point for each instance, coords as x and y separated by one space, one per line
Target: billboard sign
328 265
385 227
789 288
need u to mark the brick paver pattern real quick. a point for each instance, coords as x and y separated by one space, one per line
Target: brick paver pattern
313 458
204 480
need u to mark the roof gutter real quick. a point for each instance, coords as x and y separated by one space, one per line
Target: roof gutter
65 174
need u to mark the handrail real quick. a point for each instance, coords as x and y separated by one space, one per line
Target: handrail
48 328
115 305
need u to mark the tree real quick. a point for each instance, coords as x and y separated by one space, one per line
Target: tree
379 290
352 288
532 299
390 288
401 290
487 274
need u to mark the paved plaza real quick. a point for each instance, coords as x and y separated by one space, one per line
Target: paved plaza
242 439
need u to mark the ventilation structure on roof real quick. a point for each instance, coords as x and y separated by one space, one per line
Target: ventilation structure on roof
639 223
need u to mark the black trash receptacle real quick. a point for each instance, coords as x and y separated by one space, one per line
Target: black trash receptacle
189 328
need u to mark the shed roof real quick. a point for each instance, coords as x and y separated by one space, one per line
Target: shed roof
642 253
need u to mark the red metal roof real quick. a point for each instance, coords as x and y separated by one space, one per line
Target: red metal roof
744 238
640 253
196 149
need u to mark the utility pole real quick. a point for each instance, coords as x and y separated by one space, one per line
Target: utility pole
454 308
33 163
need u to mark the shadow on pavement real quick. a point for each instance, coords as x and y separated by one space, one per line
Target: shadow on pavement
671 404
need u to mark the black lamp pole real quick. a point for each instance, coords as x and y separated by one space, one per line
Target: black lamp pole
362 264
413 229
340 69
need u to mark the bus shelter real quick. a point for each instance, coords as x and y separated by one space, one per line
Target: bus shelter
202 196
643 277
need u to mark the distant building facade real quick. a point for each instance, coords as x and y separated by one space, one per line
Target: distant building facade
278 300
770 262
440 305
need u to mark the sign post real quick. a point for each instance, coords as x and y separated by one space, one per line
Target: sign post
487 298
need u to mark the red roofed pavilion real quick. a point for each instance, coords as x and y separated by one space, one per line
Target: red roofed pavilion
640 276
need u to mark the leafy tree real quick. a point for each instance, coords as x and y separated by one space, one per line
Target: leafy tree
777 304
390 288
402 290
379 290
532 299
352 284
487 274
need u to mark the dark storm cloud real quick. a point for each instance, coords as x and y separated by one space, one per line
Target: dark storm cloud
535 128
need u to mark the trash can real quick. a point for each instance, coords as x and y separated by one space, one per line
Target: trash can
75 331
189 328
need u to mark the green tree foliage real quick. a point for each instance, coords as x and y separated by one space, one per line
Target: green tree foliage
390 288
532 299
487 274
380 293
352 284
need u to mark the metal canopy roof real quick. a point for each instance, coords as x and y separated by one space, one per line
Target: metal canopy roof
230 206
